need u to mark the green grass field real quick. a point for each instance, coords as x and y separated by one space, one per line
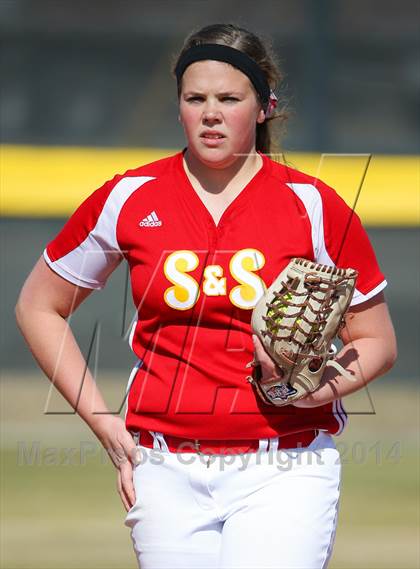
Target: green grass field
60 509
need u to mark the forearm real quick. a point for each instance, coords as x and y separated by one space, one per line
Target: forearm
365 358
55 349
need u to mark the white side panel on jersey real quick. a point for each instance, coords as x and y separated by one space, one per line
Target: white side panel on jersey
132 332
91 263
311 199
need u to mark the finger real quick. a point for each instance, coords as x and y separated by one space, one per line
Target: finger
260 353
270 369
255 342
128 502
262 357
127 485
121 493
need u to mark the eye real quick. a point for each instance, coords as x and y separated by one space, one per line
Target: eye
230 99
195 98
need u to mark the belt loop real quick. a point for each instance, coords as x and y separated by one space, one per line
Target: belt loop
156 442
162 442
263 445
274 444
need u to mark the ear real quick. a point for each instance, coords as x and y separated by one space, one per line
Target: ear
261 117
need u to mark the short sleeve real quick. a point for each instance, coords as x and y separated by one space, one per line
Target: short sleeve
338 237
85 252
345 243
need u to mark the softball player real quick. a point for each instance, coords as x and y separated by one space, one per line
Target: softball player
219 478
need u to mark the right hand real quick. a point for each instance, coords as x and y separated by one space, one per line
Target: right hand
123 452
268 366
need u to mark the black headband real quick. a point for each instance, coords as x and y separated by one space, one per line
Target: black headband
230 55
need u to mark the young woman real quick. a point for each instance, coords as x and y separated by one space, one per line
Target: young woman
214 477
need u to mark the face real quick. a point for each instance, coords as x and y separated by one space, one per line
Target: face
219 110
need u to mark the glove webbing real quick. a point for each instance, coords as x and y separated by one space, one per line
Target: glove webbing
281 303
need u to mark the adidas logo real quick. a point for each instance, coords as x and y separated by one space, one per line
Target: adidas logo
151 220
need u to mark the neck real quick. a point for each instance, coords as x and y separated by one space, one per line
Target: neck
215 180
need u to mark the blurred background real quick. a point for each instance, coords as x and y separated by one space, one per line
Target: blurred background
86 92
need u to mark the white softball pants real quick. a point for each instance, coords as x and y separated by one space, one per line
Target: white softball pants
266 509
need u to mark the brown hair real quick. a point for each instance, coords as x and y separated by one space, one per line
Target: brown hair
262 53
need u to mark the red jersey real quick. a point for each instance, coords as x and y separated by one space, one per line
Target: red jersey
194 284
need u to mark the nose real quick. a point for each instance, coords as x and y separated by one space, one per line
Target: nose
211 113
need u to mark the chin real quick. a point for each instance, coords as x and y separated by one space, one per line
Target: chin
217 162
215 157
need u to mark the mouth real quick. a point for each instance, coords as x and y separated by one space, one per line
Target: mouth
212 135
212 139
